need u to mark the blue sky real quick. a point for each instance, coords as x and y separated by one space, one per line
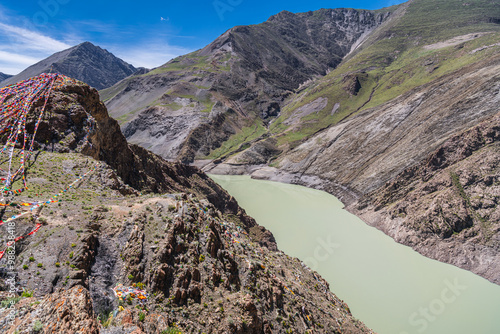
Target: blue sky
142 32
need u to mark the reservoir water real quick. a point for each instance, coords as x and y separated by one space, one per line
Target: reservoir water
390 287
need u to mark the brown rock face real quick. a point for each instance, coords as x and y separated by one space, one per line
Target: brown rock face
447 206
67 311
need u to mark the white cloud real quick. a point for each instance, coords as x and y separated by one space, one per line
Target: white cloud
20 48
32 40
150 56
10 57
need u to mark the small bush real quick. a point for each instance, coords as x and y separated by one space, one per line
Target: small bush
171 330
32 259
142 316
40 265
38 326
27 294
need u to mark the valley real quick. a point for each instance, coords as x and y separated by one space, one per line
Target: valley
396 93
141 200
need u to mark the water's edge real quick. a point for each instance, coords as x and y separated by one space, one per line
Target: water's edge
434 248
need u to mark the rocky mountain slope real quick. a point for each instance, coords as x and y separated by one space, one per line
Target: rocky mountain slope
395 86
191 105
192 259
4 76
399 97
85 62
446 207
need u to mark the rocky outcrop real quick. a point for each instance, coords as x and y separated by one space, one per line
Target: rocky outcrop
86 62
65 311
137 167
201 269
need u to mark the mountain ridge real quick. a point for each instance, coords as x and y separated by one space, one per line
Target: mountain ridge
85 62
4 76
242 76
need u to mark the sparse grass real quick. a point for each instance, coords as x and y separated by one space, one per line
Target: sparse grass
37 327
483 222
171 330
172 106
246 135
187 62
389 67
27 294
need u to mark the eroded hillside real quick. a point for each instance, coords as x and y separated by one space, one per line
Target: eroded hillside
237 84
410 87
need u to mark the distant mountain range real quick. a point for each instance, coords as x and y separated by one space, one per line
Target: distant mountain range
85 62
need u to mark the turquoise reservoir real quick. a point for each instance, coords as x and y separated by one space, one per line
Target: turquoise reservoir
390 287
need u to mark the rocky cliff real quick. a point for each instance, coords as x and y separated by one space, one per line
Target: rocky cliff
86 62
180 254
446 207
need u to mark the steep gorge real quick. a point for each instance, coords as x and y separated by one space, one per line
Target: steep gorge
400 96
346 104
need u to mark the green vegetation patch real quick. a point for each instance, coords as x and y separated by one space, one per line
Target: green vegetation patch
246 135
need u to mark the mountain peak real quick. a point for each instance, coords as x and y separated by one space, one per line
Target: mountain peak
86 62
86 43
